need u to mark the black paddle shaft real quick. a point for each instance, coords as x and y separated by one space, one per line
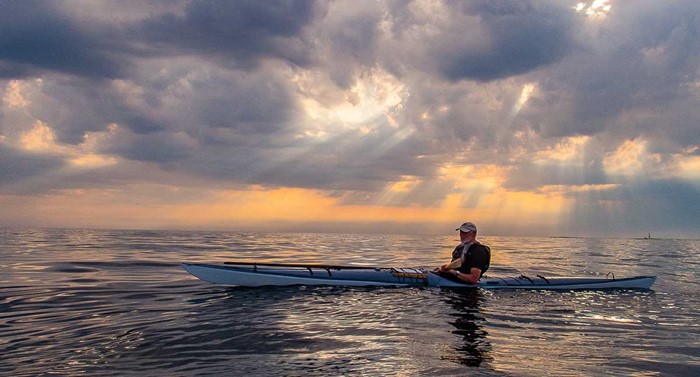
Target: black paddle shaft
302 265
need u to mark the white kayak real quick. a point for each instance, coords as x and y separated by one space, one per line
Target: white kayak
248 274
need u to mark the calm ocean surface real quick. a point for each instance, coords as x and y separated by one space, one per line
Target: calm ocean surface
115 303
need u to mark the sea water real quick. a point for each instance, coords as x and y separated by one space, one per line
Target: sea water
116 303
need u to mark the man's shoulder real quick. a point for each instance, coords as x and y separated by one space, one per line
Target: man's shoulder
478 247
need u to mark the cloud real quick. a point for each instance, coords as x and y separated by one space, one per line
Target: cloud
515 38
490 40
37 37
419 104
635 61
664 207
18 166
240 32
349 39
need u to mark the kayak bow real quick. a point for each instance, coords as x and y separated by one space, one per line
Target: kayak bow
247 274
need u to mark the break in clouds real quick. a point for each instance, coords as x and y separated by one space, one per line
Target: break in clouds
593 100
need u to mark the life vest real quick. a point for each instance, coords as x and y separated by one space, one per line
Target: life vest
463 252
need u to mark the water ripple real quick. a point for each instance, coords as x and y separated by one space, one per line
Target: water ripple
112 303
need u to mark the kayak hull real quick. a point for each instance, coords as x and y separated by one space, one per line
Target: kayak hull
259 276
275 277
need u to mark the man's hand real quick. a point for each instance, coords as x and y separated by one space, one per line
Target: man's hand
451 266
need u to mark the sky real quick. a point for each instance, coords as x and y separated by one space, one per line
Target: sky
542 118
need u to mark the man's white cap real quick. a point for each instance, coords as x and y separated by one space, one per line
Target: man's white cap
467 227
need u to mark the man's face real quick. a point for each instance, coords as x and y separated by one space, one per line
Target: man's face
463 236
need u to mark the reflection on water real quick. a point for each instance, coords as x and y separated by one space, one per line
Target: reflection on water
469 325
114 303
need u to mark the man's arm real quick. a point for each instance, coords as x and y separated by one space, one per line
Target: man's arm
471 278
457 263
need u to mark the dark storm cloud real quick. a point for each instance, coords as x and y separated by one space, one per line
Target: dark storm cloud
140 123
16 165
531 177
349 161
162 148
351 40
74 106
662 207
511 38
36 37
641 58
244 31
208 122
677 206
252 104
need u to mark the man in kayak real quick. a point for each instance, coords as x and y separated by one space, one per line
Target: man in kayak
470 259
